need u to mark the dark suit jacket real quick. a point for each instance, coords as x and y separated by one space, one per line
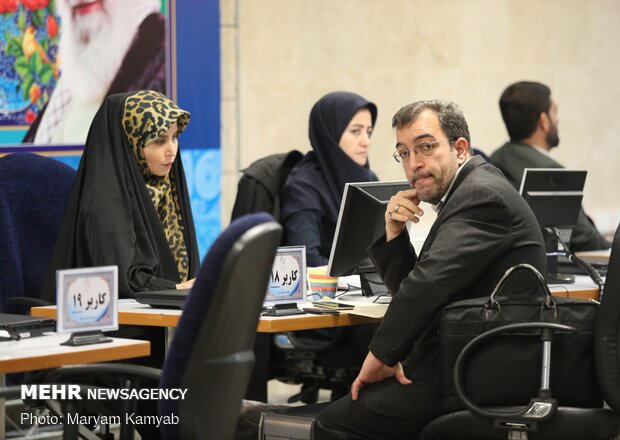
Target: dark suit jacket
513 158
484 228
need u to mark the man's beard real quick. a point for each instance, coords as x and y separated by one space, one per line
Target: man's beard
93 46
553 140
432 194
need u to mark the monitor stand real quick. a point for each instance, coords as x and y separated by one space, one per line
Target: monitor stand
371 283
551 245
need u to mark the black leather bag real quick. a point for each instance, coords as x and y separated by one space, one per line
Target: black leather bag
506 369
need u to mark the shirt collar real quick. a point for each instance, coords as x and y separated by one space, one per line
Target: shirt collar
541 149
439 205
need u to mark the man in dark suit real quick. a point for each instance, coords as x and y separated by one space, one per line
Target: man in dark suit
531 118
483 227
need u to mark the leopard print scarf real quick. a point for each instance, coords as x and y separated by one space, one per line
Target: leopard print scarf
146 115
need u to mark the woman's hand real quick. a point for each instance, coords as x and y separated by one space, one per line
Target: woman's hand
187 284
402 207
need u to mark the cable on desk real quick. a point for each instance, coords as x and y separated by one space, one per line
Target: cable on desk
380 295
592 272
344 292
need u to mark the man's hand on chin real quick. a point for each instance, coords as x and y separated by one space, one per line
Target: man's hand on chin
373 370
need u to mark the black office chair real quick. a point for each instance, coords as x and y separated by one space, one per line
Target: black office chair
566 423
479 152
211 352
260 185
34 191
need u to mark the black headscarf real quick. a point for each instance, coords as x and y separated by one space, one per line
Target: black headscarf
317 182
110 217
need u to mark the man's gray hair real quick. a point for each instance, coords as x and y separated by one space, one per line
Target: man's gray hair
450 116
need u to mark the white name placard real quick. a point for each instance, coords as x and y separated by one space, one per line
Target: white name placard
288 276
87 299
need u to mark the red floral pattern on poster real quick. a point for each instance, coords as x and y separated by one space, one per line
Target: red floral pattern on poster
33 5
7 6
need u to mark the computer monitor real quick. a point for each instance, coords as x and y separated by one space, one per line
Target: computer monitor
360 222
555 198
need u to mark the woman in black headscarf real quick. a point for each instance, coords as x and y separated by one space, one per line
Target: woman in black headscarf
129 205
341 124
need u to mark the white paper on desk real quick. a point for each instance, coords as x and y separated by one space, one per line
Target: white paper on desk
370 310
349 282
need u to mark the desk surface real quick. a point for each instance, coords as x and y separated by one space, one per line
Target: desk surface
583 288
271 324
46 352
595 257
131 312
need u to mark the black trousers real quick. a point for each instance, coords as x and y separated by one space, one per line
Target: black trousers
348 419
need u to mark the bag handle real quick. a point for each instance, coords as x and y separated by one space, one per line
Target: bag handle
549 302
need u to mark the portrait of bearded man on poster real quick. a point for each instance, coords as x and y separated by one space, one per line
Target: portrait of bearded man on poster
105 47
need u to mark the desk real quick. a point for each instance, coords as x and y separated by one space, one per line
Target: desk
270 324
45 352
583 288
595 257
131 312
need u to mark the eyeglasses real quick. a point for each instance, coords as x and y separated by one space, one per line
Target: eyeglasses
424 148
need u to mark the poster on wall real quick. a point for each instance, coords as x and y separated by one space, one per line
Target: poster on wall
61 58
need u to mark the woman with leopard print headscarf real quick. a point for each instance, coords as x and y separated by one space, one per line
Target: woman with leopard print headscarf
129 205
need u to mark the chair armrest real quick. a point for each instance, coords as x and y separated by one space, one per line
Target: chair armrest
539 408
307 343
13 392
105 368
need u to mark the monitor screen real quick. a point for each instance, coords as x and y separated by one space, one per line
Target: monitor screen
554 194
555 198
360 222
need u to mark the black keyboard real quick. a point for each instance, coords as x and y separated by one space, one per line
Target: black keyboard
283 312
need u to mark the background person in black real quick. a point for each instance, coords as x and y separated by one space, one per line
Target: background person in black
531 118
126 209
483 227
130 209
340 128
341 125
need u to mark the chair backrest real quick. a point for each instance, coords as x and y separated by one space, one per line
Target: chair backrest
211 353
482 154
34 191
606 351
260 185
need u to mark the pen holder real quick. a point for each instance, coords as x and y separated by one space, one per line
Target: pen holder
321 284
